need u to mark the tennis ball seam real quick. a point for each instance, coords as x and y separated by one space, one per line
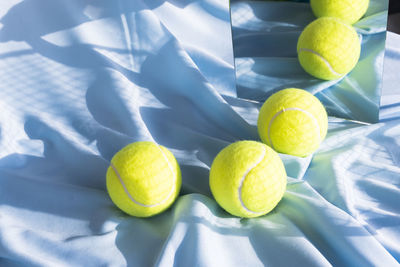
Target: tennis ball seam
244 178
132 198
296 109
322 58
345 24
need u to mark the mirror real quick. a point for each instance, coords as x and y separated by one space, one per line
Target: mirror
265 35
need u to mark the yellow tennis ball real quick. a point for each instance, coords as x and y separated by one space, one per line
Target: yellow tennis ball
328 48
143 179
293 121
350 11
247 179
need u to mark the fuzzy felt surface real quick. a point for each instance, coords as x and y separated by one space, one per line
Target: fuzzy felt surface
247 179
328 49
293 122
350 11
150 174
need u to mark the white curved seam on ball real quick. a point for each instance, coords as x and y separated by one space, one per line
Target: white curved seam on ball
352 29
244 177
347 26
132 198
126 189
298 109
322 58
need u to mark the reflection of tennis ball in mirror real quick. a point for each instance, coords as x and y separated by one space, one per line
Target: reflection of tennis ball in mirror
350 11
247 179
293 121
143 179
328 49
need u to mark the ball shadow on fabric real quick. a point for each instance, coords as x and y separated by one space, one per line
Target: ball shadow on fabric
198 219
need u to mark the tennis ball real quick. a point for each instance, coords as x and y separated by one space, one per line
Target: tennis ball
143 179
247 179
328 49
293 121
350 11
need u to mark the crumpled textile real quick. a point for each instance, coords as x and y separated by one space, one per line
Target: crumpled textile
81 79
